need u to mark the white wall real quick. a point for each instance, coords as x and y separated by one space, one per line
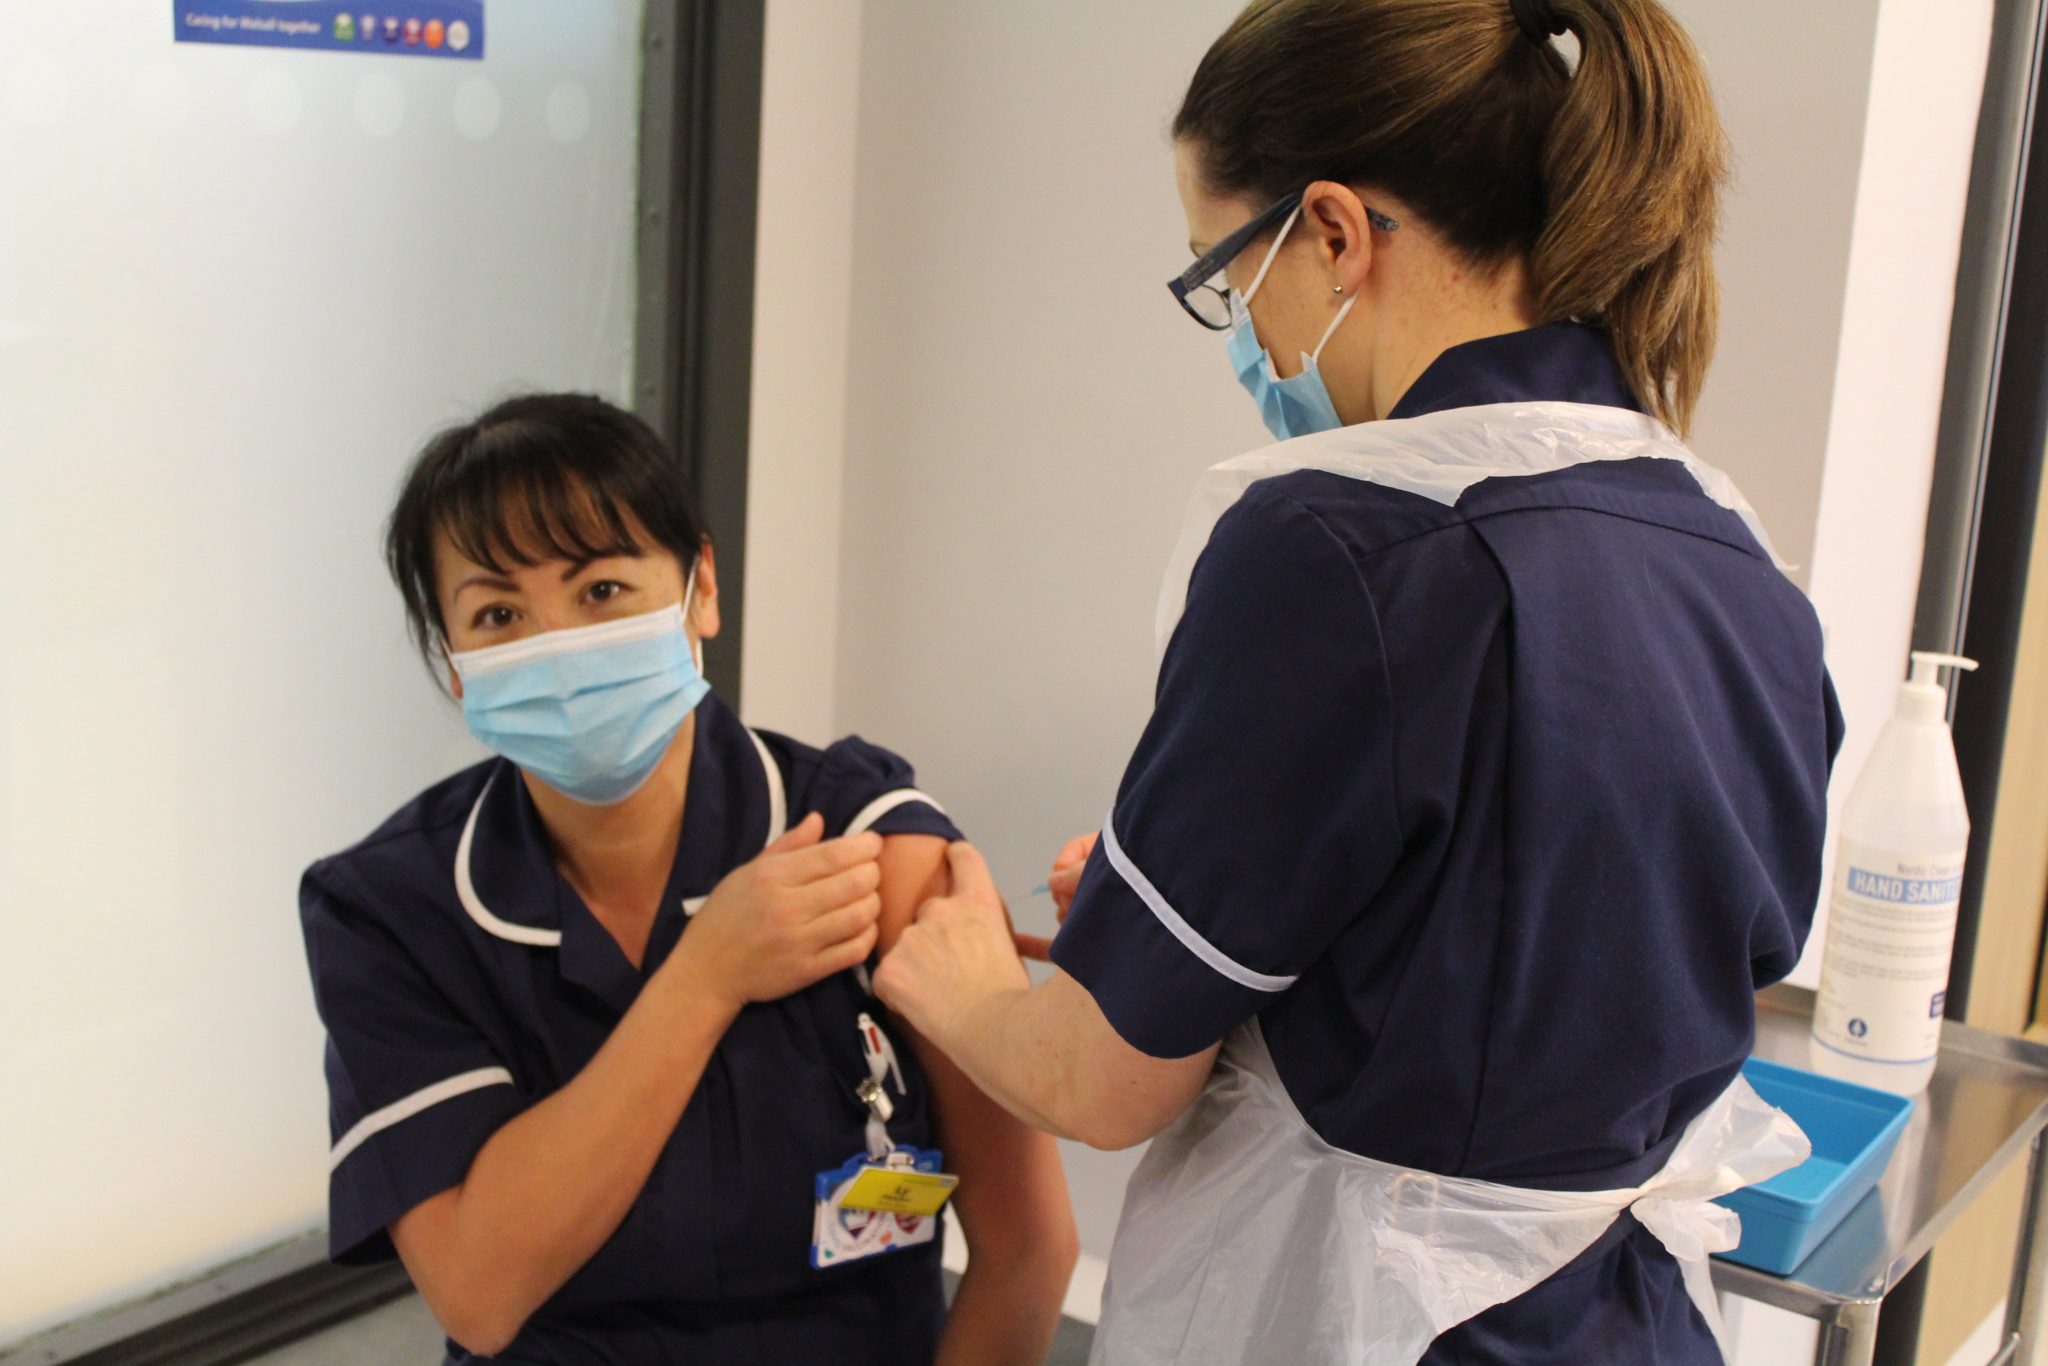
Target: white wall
802 284
1793 83
1927 81
237 288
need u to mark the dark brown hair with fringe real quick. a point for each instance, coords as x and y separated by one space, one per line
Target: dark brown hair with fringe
536 478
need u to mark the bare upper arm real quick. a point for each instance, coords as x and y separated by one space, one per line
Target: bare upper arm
913 870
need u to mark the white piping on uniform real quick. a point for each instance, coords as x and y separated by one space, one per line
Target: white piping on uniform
1180 929
778 823
778 803
865 821
374 1123
465 889
778 811
884 804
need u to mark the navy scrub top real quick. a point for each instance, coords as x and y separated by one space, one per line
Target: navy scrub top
462 979
1496 815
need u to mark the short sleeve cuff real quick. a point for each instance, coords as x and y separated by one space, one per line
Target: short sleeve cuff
405 1162
864 787
918 817
1164 992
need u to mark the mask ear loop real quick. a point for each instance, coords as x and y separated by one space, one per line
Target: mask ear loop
1271 252
1331 330
689 605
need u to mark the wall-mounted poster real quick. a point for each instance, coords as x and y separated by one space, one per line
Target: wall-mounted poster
414 28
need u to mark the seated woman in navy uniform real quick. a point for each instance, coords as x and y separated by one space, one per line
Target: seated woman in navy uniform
599 1025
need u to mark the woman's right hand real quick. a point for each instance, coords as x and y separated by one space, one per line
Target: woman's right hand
801 911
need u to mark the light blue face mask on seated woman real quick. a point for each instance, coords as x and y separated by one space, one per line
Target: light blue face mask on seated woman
1299 404
589 710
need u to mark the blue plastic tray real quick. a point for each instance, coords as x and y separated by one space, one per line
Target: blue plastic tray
1853 1128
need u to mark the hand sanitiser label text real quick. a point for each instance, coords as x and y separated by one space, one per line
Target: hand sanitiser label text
1891 925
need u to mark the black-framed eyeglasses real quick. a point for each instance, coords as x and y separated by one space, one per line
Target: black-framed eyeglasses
1208 302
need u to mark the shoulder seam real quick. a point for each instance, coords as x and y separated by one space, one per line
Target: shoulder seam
378 841
1379 640
1324 524
1618 515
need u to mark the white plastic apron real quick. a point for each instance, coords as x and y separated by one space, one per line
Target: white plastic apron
1245 1237
1439 456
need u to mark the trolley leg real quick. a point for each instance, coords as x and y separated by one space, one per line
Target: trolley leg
2026 1305
1851 1338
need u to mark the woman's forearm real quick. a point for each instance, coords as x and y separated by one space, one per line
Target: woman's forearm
1001 1042
551 1185
1017 1218
1012 1204
1049 1056
1000 1314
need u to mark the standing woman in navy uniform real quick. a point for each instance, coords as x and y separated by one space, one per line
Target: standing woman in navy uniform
599 1026
1486 777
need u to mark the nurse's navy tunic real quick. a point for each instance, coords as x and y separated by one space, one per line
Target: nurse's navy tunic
462 979
1497 815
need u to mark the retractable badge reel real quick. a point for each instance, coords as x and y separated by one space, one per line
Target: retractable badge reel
887 1198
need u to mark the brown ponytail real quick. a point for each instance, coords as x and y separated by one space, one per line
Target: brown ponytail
1607 180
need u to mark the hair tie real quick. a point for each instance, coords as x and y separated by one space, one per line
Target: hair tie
1537 19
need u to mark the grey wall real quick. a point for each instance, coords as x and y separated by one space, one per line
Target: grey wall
1794 85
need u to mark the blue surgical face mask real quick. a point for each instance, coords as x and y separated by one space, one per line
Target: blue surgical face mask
589 711
1301 403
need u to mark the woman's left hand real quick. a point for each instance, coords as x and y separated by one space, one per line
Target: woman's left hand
1066 871
958 953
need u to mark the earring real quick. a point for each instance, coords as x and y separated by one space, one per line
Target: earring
1336 289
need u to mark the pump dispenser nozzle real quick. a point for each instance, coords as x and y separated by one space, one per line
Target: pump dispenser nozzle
1922 699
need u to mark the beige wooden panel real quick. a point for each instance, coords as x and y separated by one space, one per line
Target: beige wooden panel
1973 1264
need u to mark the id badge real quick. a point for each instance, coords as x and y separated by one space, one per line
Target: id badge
866 1208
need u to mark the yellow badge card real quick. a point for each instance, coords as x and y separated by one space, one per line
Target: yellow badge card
887 1191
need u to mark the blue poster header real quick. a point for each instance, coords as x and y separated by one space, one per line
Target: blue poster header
414 28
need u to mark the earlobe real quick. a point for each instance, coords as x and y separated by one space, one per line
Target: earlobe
702 609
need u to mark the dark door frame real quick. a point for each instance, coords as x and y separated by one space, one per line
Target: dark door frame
1994 421
700 156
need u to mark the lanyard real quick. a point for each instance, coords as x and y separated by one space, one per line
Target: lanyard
882 1066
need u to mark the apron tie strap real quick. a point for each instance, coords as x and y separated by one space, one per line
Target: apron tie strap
1691 1231
1738 1141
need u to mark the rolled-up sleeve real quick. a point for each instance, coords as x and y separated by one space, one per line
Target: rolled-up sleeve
863 786
414 1090
1258 816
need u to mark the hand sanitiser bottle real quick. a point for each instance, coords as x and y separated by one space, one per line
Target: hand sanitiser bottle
1898 877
